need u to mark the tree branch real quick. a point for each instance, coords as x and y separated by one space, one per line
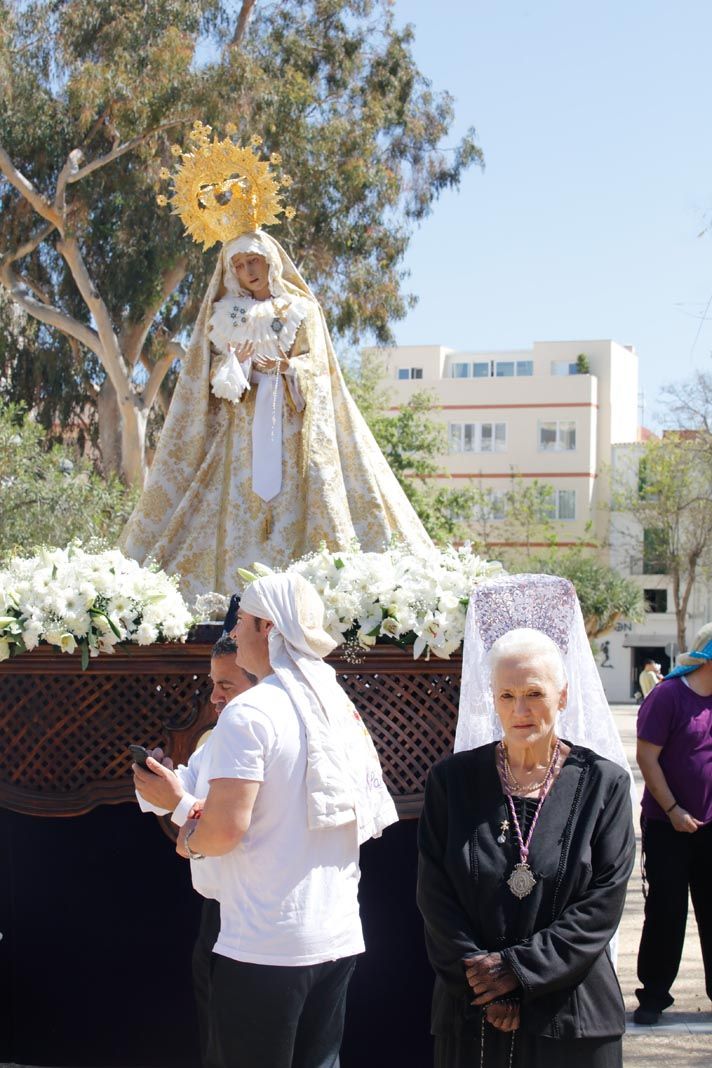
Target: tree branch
34 287
159 370
121 150
69 169
176 350
109 353
242 22
133 339
48 314
26 189
30 245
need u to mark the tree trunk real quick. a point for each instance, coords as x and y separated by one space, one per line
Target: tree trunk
680 603
684 602
122 436
109 418
133 444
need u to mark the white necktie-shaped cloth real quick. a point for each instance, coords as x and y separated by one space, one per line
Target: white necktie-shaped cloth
344 779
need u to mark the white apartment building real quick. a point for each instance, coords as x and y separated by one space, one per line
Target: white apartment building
530 412
629 645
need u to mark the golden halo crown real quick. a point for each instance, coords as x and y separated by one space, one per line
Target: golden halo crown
222 189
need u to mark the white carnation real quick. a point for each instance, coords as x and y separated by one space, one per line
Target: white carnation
146 634
31 634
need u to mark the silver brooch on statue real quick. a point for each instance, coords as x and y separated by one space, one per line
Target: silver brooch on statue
503 828
521 882
277 325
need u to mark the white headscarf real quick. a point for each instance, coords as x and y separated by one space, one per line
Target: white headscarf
344 778
547 603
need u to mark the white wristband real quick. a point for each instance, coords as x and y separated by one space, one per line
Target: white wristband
182 810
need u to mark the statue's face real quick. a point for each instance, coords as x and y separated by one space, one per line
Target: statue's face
252 273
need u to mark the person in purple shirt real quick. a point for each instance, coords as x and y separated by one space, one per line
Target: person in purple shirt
675 757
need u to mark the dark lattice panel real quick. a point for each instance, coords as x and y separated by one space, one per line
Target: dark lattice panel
412 722
64 736
64 732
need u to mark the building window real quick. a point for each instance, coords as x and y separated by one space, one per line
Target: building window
654 551
492 368
497 505
410 372
454 437
562 504
460 370
655 600
559 435
490 506
566 504
563 367
477 437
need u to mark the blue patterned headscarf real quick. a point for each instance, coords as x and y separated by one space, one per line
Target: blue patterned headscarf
693 660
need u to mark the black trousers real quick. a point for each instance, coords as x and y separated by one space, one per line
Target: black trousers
674 863
266 1016
528 1051
202 964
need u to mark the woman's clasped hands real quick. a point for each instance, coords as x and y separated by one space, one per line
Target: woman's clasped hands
491 980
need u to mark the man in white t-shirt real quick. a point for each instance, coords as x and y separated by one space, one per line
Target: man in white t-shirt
182 792
295 786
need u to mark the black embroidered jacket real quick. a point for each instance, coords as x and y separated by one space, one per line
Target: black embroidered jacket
556 939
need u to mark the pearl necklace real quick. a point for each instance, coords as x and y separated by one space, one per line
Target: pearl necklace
516 786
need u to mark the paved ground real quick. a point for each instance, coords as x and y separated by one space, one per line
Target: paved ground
684 1040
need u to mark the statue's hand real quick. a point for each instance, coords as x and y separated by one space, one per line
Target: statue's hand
243 351
267 365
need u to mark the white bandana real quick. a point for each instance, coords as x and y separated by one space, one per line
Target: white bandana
344 778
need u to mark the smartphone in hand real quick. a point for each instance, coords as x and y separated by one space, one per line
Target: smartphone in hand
139 755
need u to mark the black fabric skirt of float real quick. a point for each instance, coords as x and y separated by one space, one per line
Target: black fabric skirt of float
529 1051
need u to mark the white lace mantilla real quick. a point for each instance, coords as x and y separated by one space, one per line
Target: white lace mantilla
547 603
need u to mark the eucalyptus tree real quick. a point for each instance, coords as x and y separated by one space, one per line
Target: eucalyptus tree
92 95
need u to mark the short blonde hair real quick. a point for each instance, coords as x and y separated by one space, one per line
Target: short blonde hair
528 642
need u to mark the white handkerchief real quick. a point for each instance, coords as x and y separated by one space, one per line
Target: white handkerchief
232 377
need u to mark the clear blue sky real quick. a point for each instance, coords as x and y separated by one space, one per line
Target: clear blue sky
595 123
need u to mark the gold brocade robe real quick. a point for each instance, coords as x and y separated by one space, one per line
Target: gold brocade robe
198 515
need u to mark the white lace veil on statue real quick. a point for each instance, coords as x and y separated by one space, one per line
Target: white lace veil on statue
549 604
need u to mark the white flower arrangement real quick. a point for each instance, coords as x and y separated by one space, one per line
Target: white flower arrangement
74 599
395 596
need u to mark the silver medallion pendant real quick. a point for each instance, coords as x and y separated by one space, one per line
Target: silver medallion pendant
521 882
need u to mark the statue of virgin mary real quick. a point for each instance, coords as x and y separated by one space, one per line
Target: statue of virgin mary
264 453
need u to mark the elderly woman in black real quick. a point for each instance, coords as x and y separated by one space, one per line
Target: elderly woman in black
526 846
